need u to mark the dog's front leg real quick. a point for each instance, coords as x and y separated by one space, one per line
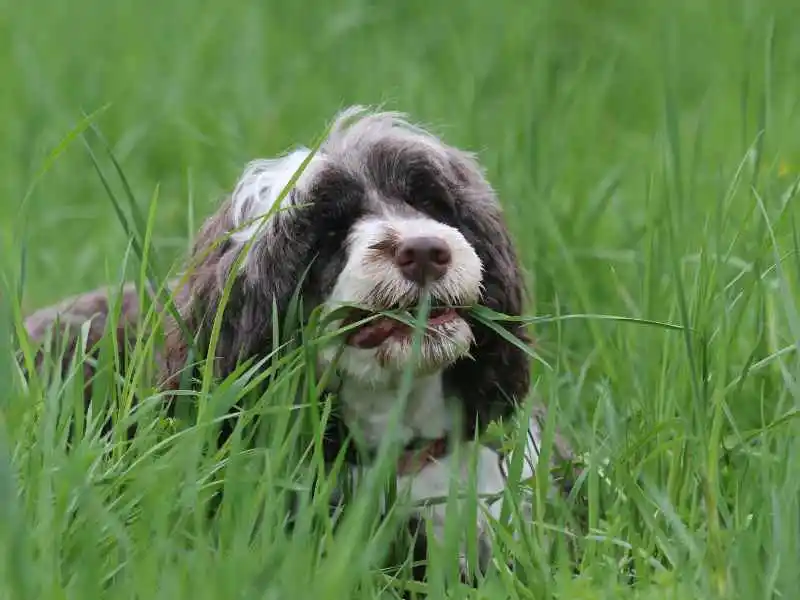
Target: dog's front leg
430 487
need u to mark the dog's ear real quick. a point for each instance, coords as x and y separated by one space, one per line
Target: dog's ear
209 265
495 377
264 280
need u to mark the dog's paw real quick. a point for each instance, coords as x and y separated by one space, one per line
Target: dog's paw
472 565
470 573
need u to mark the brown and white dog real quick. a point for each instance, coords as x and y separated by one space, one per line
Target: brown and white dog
382 211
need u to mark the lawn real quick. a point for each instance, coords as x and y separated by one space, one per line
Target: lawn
648 158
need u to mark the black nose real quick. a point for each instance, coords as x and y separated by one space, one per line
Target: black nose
423 259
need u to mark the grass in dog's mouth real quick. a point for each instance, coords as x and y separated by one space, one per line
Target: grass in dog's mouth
370 328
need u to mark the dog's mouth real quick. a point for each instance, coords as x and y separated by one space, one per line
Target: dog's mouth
378 330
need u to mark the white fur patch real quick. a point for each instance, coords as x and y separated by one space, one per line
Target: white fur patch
368 409
533 445
259 188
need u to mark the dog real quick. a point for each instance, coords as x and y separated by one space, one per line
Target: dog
381 215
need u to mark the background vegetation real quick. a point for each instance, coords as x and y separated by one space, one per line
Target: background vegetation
647 154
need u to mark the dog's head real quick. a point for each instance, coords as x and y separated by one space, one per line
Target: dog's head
382 211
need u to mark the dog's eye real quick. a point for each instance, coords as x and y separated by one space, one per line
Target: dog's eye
337 198
337 191
333 216
426 194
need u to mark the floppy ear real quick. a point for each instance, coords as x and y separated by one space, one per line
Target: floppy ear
264 281
495 377
209 266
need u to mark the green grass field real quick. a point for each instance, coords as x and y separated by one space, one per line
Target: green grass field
648 156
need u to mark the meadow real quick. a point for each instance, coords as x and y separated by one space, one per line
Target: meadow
648 158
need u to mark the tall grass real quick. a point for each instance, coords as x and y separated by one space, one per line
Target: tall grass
647 156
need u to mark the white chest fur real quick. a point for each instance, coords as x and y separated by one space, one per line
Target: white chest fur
369 410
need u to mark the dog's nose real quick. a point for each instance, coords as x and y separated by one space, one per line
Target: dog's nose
423 259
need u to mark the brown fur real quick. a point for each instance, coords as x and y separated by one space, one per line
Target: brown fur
61 324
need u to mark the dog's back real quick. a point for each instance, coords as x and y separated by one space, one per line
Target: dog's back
58 330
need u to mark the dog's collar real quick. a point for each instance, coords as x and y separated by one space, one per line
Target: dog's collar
416 455
419 453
